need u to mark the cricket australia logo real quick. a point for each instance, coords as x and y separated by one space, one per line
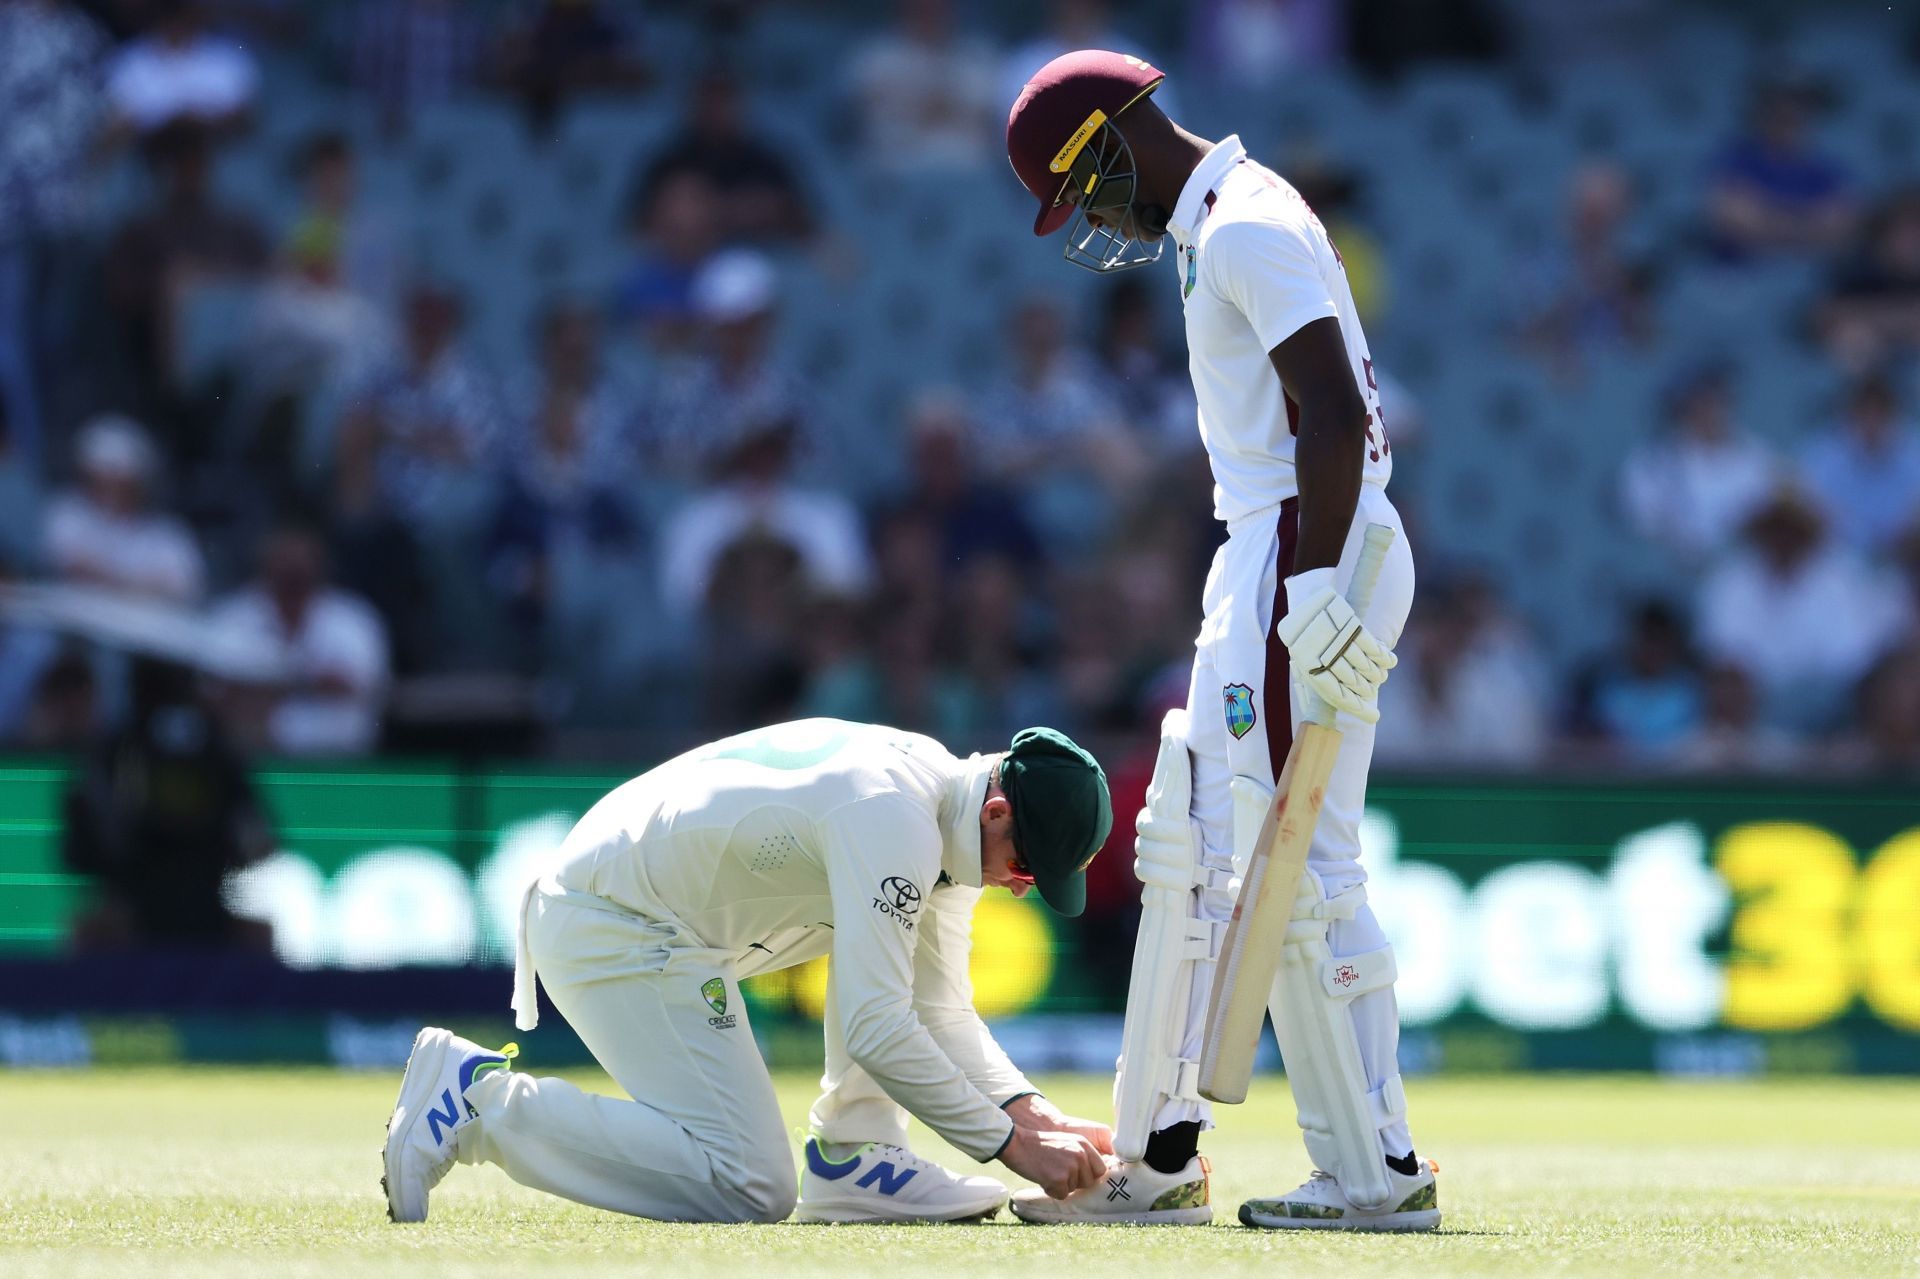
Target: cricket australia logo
714 991
1240 714
898 899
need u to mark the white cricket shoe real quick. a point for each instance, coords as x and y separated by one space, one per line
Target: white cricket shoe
1129 1195
877 1183
428 1117
1321 1205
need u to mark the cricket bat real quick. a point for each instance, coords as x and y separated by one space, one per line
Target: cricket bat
1250 956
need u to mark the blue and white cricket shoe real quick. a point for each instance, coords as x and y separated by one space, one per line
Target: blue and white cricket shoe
433 1108
874 1184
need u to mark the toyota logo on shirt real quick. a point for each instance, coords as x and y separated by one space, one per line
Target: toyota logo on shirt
898 899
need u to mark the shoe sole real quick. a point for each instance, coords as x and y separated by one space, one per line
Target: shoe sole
833 1215
407 1109
1165 1217
1398 1223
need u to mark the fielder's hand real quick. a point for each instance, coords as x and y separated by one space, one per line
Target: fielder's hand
1339 658
1057 1162
1035 1111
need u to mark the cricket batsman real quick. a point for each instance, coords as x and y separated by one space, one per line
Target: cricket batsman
756 853
1290 418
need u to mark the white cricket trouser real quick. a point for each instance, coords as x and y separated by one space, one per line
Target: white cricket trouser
703 1138
1242 713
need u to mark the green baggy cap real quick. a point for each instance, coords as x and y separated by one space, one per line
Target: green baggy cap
1061 813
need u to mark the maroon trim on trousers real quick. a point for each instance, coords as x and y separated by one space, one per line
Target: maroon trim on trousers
1276 691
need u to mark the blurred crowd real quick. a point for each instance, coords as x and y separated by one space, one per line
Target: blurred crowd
645 524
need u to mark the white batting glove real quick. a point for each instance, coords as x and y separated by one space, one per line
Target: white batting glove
1336 656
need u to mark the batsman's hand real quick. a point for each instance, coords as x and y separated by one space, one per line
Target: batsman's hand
1334 654
1057 1162
1035 1111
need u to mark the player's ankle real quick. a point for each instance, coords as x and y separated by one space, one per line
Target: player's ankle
1172 1148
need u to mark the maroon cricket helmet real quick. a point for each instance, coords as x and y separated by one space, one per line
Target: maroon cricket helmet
1061 109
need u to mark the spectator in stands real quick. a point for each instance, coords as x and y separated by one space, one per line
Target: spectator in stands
334 643
1051 424
367 243
106 532
753 623
310 330
1773 191
1801 614
676 229
1645 699
1588 293
1144 372
411 54
927 94
994 653
1872 309
756 495
1470 686
732 383
567 477
1731 737
568 47
50 100
180 70
1864 472
158 254
968 519
1693 488
1887 739
160 814
762 199
429 419
1247 44
414 484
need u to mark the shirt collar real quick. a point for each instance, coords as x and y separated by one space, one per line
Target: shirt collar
960 819
1207 175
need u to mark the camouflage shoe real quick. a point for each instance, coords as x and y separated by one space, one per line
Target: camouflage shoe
1321 1205
1129 1195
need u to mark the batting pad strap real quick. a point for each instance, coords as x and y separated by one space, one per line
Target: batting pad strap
1186 1081
1355 975
1389 1102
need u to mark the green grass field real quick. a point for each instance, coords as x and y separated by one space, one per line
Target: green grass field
204 1172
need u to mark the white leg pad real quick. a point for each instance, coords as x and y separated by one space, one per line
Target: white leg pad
1251 797
1172 938
1340 1114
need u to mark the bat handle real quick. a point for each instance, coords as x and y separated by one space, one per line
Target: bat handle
1374 545
1366 571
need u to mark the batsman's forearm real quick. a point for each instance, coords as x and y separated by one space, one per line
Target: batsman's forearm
1328 457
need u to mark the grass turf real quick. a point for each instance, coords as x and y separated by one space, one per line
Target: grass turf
260 1173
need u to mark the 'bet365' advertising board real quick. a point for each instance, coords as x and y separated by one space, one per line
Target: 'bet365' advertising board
1576 925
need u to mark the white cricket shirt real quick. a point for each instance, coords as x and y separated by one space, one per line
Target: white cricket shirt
1255 265
785 843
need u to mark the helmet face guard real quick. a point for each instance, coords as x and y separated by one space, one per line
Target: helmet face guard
1101 177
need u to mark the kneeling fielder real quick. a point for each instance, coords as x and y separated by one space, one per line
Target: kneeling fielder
757 853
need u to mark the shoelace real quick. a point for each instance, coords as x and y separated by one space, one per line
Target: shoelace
901 1155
